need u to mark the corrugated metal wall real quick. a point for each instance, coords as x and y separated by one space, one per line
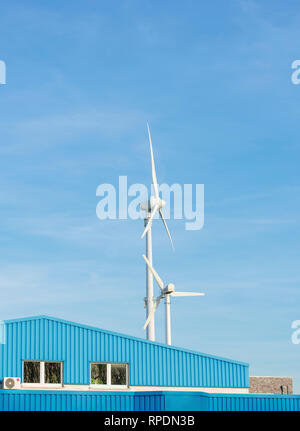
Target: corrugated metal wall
150 364
195 401
11 400
79 401
254 402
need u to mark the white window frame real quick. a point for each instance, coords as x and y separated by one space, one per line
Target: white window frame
108 385
42 375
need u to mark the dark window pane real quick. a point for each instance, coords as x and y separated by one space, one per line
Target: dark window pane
31 372
118 374
99 374
52 372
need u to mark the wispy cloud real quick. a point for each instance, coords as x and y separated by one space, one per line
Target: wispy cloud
65 128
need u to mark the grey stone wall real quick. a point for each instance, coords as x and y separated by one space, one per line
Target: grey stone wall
271 385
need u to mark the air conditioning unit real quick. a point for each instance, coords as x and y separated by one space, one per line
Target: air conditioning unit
11 383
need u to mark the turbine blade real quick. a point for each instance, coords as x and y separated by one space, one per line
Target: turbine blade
166 227
155 275
154 179
151 314
150 221
186 294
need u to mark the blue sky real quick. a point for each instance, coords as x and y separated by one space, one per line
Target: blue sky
214 81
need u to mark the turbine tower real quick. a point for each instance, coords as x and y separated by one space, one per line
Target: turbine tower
166 292
151 207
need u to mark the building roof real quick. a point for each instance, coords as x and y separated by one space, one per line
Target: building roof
80 325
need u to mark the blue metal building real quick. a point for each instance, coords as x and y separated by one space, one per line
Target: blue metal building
37 343
61 365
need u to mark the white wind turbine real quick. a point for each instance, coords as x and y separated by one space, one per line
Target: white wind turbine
151 207
166 292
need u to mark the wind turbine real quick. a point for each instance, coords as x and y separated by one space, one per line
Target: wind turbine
166 292
151 207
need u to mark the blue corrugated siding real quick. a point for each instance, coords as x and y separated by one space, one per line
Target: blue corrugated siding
150 364
79 401
143 401
254 402
200 401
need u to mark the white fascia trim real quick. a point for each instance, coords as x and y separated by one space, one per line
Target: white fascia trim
191 389
37 386
136 388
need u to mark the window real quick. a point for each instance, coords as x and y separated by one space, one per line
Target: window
31 372
99 374
53 372
42 373
109 374
118 374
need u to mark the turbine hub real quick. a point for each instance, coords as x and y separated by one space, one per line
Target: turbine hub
170 288
151 203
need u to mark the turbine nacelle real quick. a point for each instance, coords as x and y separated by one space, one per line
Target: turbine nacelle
170 288
152 203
